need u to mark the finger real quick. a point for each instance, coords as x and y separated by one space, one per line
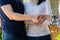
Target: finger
39 23
35 20
41 20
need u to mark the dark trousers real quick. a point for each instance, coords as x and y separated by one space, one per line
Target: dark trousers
8 36
47 37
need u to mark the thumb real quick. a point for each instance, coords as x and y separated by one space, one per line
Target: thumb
34 20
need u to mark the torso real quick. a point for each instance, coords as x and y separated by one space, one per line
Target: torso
12 26
34 30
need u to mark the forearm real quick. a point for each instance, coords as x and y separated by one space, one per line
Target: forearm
8 11
47 17
31 23
17 16
20 17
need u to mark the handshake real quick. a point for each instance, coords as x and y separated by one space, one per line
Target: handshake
40 19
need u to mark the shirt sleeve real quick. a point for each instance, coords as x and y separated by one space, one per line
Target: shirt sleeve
48 8
48 11
4 2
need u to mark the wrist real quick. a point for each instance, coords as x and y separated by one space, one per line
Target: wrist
31 18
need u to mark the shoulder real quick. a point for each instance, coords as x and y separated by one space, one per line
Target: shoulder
42 4
45 3
4 2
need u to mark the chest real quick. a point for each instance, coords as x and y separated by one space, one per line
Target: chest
33 9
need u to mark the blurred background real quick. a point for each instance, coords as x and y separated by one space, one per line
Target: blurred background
54 28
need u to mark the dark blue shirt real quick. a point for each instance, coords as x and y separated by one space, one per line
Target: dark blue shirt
12 26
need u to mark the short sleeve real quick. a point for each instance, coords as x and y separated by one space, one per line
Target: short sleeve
4 2
48 7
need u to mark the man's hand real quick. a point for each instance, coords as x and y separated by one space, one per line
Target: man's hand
34 19
40 19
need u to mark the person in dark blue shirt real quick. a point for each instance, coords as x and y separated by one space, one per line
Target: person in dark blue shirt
12 14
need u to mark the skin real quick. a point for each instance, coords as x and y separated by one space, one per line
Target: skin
8 10
40 19
43 18
34 2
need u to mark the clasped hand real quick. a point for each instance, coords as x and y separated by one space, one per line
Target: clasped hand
40 19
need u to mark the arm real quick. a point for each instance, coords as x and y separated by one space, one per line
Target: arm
48 10
8 10
29 22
